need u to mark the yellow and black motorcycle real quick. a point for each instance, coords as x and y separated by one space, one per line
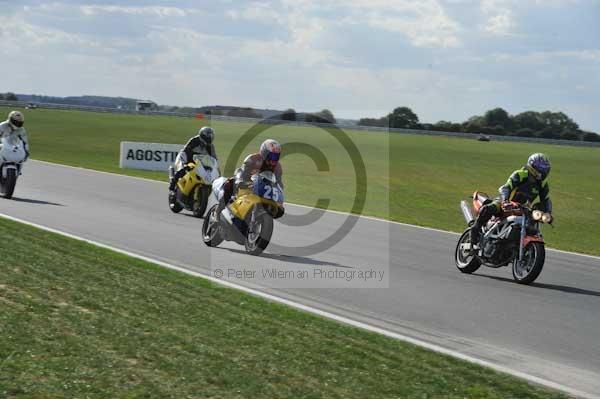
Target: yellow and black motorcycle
193 189
248 220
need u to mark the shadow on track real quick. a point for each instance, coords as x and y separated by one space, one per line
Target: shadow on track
554 287
291 259
34 201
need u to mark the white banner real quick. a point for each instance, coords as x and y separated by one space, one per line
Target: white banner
148 156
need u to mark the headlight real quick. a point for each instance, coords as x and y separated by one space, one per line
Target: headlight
546 218
537 215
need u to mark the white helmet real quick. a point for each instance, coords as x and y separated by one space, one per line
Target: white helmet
16 119
270 151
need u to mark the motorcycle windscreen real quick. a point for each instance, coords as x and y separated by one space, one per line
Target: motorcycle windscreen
208 168
218 187
207 161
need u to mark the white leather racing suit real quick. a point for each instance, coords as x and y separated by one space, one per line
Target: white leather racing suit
7 131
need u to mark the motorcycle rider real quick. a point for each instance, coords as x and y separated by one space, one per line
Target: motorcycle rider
201 144
524 185
266 159
13 127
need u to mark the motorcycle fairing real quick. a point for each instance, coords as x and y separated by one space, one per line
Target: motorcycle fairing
529 239
246 200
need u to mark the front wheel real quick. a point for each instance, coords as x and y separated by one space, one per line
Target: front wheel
464 256
7 185
529 269
211 231
259 234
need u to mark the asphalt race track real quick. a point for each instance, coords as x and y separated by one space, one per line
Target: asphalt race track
549 330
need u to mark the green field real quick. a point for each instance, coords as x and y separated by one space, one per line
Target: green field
413 179
78 321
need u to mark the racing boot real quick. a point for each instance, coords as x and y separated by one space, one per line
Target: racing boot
176 176
485 214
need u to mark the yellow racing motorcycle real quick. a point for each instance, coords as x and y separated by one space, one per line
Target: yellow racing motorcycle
193 189
248 219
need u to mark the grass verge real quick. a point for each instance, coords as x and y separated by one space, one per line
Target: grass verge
78 321
413 179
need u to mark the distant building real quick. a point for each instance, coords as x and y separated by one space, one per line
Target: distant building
145 105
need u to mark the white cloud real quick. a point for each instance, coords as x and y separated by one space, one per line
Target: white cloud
283 53
145 10
48 7
500 18
500 24
362 88
546 57
302 54
257 11
423 22
557 3
17 34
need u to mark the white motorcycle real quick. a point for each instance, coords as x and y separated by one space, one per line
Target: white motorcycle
12 156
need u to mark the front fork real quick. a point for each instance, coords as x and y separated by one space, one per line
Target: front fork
522 240
252 224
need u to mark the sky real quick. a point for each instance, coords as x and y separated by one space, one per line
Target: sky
445 59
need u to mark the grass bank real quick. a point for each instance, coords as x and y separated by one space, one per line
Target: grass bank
78 321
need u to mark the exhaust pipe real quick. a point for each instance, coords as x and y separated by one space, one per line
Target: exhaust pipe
466 211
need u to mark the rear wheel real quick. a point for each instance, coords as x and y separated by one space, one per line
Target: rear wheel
7 186
527 271
464 256
211 231
174 206
259 234
200 200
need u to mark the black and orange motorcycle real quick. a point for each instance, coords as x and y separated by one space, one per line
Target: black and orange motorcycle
513 237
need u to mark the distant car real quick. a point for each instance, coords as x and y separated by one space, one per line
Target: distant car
31 106
483 137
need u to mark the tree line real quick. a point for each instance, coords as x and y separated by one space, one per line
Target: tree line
323 116
547 124
497 121
9 96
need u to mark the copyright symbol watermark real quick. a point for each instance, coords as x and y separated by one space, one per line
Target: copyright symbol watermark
218 273
322 163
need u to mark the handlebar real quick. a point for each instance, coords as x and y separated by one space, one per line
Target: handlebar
510 208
